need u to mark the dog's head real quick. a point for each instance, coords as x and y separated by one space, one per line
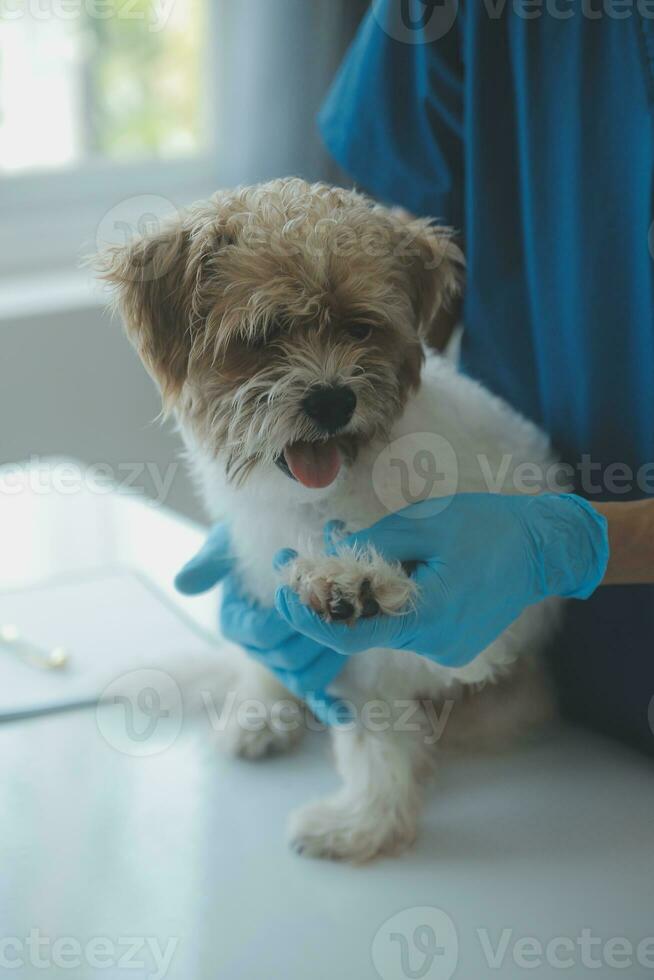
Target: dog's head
284 322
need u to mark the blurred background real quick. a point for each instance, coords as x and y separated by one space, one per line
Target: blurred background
112 114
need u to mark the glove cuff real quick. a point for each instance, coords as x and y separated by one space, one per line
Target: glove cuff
572 544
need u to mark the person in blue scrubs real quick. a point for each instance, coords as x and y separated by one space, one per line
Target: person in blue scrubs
527 127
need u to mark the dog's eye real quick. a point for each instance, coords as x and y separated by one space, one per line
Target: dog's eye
359 330
268 334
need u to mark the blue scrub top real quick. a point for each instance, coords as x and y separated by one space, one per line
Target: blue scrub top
529 129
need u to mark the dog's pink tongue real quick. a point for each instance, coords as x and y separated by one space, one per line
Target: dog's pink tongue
313 464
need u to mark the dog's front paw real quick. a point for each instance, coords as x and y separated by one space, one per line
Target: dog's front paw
339 830
349 586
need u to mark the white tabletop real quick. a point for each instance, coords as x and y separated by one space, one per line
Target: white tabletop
538 862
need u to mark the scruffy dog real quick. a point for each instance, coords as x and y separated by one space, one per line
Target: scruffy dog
286 326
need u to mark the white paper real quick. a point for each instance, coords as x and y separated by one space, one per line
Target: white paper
111 622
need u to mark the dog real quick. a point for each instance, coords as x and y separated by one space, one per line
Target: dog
293 331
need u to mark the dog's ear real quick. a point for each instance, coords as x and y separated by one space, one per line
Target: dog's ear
155 278
436 270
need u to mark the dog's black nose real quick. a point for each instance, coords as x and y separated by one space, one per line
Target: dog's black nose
330 406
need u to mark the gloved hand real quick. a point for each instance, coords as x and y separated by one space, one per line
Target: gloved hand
305 668
483 558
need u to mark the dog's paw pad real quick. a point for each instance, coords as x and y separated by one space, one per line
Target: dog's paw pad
339 608
359 604
369 604
346 587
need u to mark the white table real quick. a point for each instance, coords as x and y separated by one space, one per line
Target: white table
186 847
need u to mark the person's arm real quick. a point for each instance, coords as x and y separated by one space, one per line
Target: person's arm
631 542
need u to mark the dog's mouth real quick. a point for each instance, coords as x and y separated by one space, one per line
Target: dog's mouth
313 464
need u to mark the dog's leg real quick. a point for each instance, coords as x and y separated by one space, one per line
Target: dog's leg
264 718
376 810
351 585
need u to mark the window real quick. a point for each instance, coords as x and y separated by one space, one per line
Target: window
101 102
122 88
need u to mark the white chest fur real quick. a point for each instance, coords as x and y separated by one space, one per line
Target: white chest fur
453 437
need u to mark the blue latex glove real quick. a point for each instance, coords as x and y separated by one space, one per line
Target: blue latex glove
483 558
304 667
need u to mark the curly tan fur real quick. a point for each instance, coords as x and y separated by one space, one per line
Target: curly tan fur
238 301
